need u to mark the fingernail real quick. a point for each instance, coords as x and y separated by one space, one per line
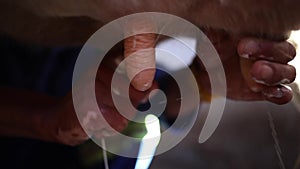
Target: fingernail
286 88
259 81
246 56
251 47
145 86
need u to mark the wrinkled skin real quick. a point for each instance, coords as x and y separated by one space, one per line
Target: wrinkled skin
232 48
68 22
238 88
263 19
62 121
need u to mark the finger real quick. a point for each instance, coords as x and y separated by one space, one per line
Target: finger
272 74
252 48
140 54
278 95
246 65
138 97
121 89
140 63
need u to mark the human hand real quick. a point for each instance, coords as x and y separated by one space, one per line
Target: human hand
61 122
259 76
233 16
265 68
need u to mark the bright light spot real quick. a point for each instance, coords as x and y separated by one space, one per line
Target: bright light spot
152 126
149 142
183 51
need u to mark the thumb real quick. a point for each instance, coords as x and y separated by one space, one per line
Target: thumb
139 53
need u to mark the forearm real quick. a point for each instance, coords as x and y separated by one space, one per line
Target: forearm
22 113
